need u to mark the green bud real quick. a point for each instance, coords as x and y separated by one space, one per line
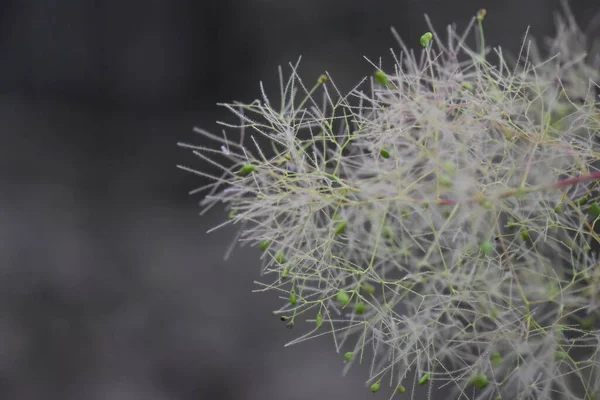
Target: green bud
343 298
524 233
319 319
445 180
264 244
360 308
424 379
232 214
486 247
246 169
400 389
486 203
341 227
582 200
285 273
449 167
368 288
322 79
481 14
494 313
561 355
280 257
387 232
559 208
375 387
384 153
496 358
426 39
381 78
293 299
480 381
467 85
595 210
349 356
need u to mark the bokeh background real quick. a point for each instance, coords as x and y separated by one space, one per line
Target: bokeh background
110 287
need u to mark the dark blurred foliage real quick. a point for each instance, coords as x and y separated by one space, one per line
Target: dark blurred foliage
110 288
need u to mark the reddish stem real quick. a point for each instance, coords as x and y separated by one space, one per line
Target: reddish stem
557 185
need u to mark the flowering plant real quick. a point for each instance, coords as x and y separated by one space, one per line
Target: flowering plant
441 222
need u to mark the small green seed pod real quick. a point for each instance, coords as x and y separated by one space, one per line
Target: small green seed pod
559 208
387 232
360 308
375 387
341 227
480 381
595 210
381 78
349 356
247 169
449 167
293 299
343 298
582 200
524 233
280 257
467 85
384 153
494 313
285 273
424 379
319 319
561 355
486 247
496 358
368 288
322 79
426 39
400 389
264 244
445 180
486 203
232 214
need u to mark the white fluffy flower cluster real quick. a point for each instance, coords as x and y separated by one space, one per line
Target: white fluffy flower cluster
442 222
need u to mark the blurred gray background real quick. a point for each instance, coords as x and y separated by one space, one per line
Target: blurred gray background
110 288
